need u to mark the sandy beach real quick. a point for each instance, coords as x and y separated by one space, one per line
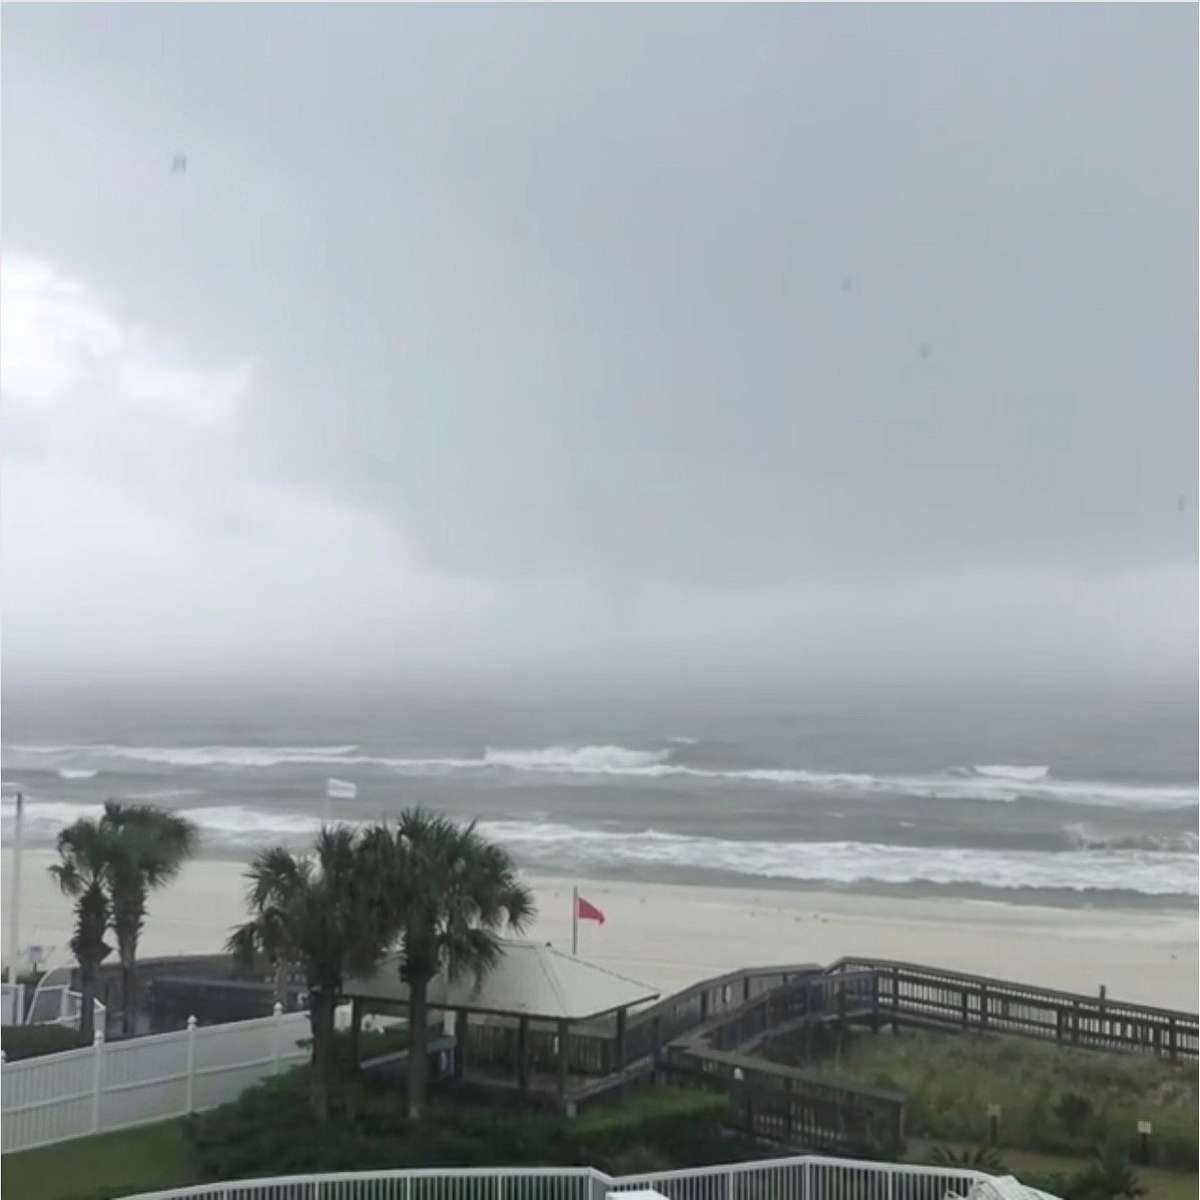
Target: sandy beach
670 936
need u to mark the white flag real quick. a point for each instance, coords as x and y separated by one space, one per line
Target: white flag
340 789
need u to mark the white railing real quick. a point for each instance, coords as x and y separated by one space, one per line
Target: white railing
104 1087
12 1003
810 1177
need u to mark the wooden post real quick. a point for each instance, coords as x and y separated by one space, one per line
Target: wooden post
355 1026
875 1003
564 1032
1075 1022
620 1047
1171 1039
895 1001
1144 1128
462 1028
704 1006
966 1008
746 989
993 1116
522 1054
983 1005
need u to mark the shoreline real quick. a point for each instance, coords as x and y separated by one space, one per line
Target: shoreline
670 935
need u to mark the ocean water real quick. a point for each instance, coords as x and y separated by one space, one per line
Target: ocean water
1007 800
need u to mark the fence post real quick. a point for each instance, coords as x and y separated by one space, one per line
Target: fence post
191 1063
276 1021
729 1183
97 1077
807 1175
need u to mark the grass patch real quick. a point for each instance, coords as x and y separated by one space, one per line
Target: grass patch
1054 1099
32 1041
97 1168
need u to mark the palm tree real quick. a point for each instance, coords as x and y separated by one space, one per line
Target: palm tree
84 852
451 893
272 873
324 911
147 848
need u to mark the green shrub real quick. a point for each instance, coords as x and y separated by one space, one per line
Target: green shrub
684 1125
1073 1112
32 1041
270 1130
1108 1176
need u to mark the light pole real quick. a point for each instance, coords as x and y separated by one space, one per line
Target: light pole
14 899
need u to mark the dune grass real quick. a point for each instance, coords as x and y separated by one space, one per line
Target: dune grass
1053 1099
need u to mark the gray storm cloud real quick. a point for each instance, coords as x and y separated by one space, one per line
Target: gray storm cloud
852 337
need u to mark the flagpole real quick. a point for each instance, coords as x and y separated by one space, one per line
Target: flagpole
574 921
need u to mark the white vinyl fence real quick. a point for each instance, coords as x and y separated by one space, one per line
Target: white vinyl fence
135 1082
12 1003
810 1177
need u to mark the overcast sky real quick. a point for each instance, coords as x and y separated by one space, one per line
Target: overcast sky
794 339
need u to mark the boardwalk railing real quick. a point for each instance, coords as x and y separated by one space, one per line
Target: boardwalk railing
114 1086
809 1177
918 995
782 1103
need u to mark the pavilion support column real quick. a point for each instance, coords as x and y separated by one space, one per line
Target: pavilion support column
461 1038
564 1032
621 1014
523 1054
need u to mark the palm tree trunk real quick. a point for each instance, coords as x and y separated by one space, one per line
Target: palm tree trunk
128 992
321 1003
418 1041
87 989
281 983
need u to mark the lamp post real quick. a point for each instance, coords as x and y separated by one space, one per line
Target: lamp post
14 899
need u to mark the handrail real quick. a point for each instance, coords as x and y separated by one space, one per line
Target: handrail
889 964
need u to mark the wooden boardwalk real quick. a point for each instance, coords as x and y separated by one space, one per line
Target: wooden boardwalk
911 994
712 1035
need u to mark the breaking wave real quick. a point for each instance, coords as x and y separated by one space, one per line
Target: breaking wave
1154 866
674 759
78 773
553 845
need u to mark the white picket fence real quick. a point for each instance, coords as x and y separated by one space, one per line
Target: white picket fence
810 1177
114 1086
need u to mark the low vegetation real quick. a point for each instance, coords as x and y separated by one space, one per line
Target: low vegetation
272 1130
1053 1099
32 1041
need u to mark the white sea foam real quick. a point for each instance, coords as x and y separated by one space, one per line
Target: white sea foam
78 773
1149 872
1153 868
1022 774
251 823
199 756
602 759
